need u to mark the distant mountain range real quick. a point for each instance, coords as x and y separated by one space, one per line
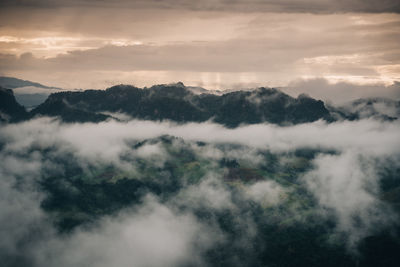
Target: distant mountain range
179 103
27 93
11 83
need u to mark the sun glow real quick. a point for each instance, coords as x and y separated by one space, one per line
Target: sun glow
51 46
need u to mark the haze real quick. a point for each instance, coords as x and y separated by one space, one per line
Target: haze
214 44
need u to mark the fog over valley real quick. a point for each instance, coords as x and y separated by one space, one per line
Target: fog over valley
150 193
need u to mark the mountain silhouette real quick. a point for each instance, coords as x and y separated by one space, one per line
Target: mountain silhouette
178 103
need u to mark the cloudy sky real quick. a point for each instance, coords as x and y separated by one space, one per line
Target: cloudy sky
217 44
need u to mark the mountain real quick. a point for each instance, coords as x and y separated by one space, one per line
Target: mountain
178 103
10 82
332 200
10 110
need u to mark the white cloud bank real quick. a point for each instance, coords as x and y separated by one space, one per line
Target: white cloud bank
107 140
157 234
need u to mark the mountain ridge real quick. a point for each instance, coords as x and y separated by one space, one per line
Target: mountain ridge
177 103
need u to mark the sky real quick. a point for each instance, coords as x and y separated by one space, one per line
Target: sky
216 44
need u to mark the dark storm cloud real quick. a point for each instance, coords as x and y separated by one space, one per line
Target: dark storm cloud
308 6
